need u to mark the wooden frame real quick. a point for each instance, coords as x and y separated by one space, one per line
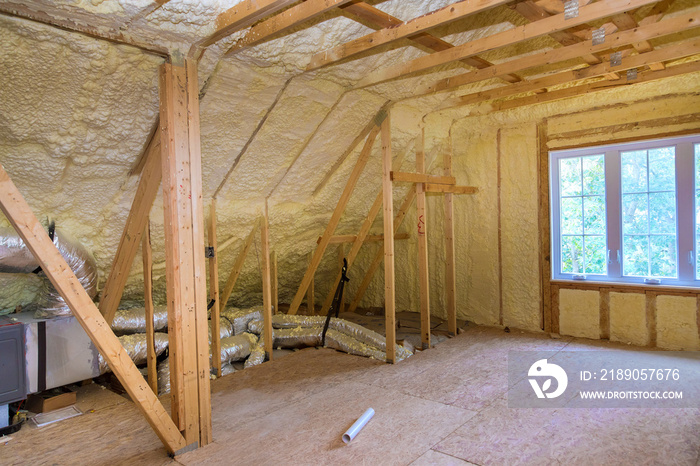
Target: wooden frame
388 204
148 308
422 235
214 296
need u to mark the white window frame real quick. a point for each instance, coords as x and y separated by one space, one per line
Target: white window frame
685 210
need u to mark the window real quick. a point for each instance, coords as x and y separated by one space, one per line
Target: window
628 212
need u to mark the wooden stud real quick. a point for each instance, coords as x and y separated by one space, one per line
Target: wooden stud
604 313
311 292
86 313
275 283
444 188
337 213
146 193
214 292
450 270
544 240
341 258
238 265
651 317
379 256
499 228
267 286
151 362
422 178
422 234
389 280
282 22
453 12
363 236
554 298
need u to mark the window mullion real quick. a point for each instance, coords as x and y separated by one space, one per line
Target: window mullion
684 208
613 208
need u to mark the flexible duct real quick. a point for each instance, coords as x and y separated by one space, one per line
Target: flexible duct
15 257
127 321
237 347
136 348
164 375
239 318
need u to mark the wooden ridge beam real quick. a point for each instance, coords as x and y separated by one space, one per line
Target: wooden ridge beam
679 23
377 19
368 239
443 188
337 213
86 313
238 265
672 52
146 193
512 36
453 12
284 21
422 178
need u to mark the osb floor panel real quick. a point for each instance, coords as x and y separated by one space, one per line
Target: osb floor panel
444 406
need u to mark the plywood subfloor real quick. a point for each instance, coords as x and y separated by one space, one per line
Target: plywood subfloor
446 405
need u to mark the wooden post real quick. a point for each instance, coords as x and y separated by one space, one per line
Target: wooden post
341 257
86 313
389 291
267 294
422 233
337 213
184 247
450 272
238 265
148 306
214 291
275 283
310 293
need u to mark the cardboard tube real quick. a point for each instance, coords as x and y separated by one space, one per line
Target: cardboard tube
358 425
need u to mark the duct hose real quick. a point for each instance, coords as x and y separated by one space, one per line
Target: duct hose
136 348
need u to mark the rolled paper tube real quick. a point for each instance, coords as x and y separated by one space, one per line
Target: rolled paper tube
355 429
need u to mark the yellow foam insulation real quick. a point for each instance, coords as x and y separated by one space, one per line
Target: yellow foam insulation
676 323
579 313
628 322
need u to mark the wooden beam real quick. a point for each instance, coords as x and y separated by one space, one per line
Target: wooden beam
363 235
450 269
275 282
368 239
214 291
443 188
341 260
151 363
283 22
389 279
379 256
673 52
146 193
512 36
670 26
422 234
337 213
360 137
238 265
378 19
311 292
422 178
20 215
453 12
266 282
239 17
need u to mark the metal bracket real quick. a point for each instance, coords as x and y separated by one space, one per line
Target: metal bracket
209 252
571 9
616 59
632 74
598 36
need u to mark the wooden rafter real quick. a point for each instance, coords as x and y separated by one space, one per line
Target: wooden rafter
280 23
670 26
512 36
86 313
377 19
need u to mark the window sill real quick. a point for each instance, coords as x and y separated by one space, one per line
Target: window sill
633 287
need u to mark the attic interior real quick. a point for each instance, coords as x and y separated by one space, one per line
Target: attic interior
405 205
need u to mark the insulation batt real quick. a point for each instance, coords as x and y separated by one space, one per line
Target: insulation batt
127 321
135 346
20 289
164 375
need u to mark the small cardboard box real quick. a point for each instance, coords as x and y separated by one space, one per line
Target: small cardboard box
50 400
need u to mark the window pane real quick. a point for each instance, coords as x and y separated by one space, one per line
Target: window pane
663 256
662 213
635 214
595 255
570 176
572 254
594 175
571 216
662 169
634 172
594 215
636 255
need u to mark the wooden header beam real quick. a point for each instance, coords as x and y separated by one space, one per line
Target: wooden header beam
86 313
443 188
512 36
